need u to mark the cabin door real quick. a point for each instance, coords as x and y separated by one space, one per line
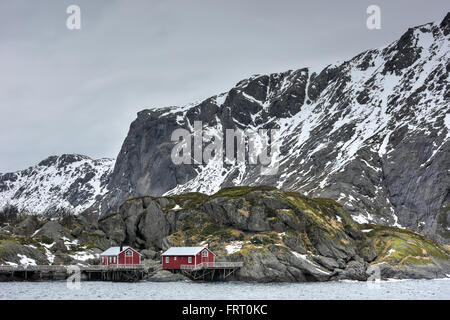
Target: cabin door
205 256
129 257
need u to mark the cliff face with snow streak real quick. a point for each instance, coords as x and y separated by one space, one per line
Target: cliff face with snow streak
371 132
71 182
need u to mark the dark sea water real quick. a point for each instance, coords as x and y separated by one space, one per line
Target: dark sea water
54 290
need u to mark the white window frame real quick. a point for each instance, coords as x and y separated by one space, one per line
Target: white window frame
175 258
167 259
205 253
129 253
189 259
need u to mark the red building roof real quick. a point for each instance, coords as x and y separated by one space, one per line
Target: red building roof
184 251
115 251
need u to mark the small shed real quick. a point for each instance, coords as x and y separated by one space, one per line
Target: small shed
186 257
120 256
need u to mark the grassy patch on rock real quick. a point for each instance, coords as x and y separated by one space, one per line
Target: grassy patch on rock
190 200
233 192
401 246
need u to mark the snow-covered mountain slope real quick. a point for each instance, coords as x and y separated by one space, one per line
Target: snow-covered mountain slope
371 132
69 181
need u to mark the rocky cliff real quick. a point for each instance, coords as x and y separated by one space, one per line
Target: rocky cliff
371 133
279 235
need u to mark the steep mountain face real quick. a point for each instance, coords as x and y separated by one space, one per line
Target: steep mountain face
69 181
371 132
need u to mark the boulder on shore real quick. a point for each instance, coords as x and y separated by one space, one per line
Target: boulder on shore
167 276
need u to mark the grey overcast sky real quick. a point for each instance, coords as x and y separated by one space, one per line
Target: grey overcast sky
64 91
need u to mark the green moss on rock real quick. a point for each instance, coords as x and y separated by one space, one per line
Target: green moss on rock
401 246
190 200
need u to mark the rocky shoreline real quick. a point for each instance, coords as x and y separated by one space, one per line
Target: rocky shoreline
167 276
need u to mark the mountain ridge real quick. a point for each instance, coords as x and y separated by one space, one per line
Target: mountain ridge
70 181
356 132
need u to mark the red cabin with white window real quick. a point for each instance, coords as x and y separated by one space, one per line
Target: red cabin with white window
186 257
120 256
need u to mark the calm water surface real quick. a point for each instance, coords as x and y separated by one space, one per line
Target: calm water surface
406 289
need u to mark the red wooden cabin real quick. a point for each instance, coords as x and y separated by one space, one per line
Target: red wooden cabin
186 257
120 256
